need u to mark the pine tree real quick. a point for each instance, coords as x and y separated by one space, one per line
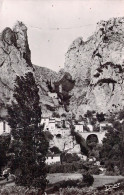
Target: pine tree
29 143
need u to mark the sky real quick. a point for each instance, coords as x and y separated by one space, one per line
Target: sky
54 24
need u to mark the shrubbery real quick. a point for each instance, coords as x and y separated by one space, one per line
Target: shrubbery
55 150
67 168
88 179
78 183
69 158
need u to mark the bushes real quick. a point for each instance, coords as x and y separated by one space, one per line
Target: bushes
77 166
69 158
78 183
88 179
48 135
94 170
55 150
66 168
80 140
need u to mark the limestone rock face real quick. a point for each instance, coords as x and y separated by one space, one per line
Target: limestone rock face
14 59
97 66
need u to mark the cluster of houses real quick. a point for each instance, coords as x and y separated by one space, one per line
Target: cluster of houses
61 125
55 125
79 127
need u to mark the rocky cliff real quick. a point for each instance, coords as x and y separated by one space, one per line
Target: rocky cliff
97 66
14 60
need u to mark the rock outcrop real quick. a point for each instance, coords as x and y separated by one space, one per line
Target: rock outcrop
14 59
97 66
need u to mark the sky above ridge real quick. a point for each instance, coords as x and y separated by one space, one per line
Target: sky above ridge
54 25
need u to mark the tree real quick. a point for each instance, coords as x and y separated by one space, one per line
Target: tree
55 150
30 145
4 146
112 152
100 117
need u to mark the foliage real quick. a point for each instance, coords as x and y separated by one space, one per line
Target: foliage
112 153
48 135
100 117
88 179
69 158
67 167
29 144
55 150
4 147
63 124
80 140
65 184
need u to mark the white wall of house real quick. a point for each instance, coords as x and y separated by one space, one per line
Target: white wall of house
53 159
4 127
79 128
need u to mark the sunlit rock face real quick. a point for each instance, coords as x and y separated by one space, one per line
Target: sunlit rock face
97 66
14 59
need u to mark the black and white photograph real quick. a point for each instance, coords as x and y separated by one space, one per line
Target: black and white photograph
61 97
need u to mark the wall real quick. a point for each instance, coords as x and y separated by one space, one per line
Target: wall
51 160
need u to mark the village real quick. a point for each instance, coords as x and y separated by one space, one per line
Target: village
59 128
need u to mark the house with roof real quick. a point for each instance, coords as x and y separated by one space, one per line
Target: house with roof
4 127
53 158
79 128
